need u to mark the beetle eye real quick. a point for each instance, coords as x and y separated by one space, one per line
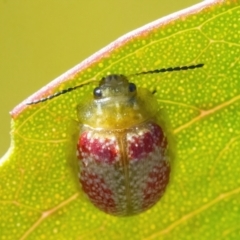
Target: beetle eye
132 87
97 92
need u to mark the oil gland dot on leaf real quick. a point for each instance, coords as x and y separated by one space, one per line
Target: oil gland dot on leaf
124 167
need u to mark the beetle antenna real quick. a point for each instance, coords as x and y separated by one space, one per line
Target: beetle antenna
171 69
58 93
162 70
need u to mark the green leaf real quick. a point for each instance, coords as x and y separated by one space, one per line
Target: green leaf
40 194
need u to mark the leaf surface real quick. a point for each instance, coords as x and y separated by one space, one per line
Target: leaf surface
39 189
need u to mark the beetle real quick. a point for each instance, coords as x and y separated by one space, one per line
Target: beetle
122 149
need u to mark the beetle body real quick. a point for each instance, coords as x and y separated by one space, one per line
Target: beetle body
122 148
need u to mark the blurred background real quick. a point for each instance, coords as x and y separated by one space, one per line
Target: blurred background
41 39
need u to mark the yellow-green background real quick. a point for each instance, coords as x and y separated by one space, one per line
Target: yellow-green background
41 39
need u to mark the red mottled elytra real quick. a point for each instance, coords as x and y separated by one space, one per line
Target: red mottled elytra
122 149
